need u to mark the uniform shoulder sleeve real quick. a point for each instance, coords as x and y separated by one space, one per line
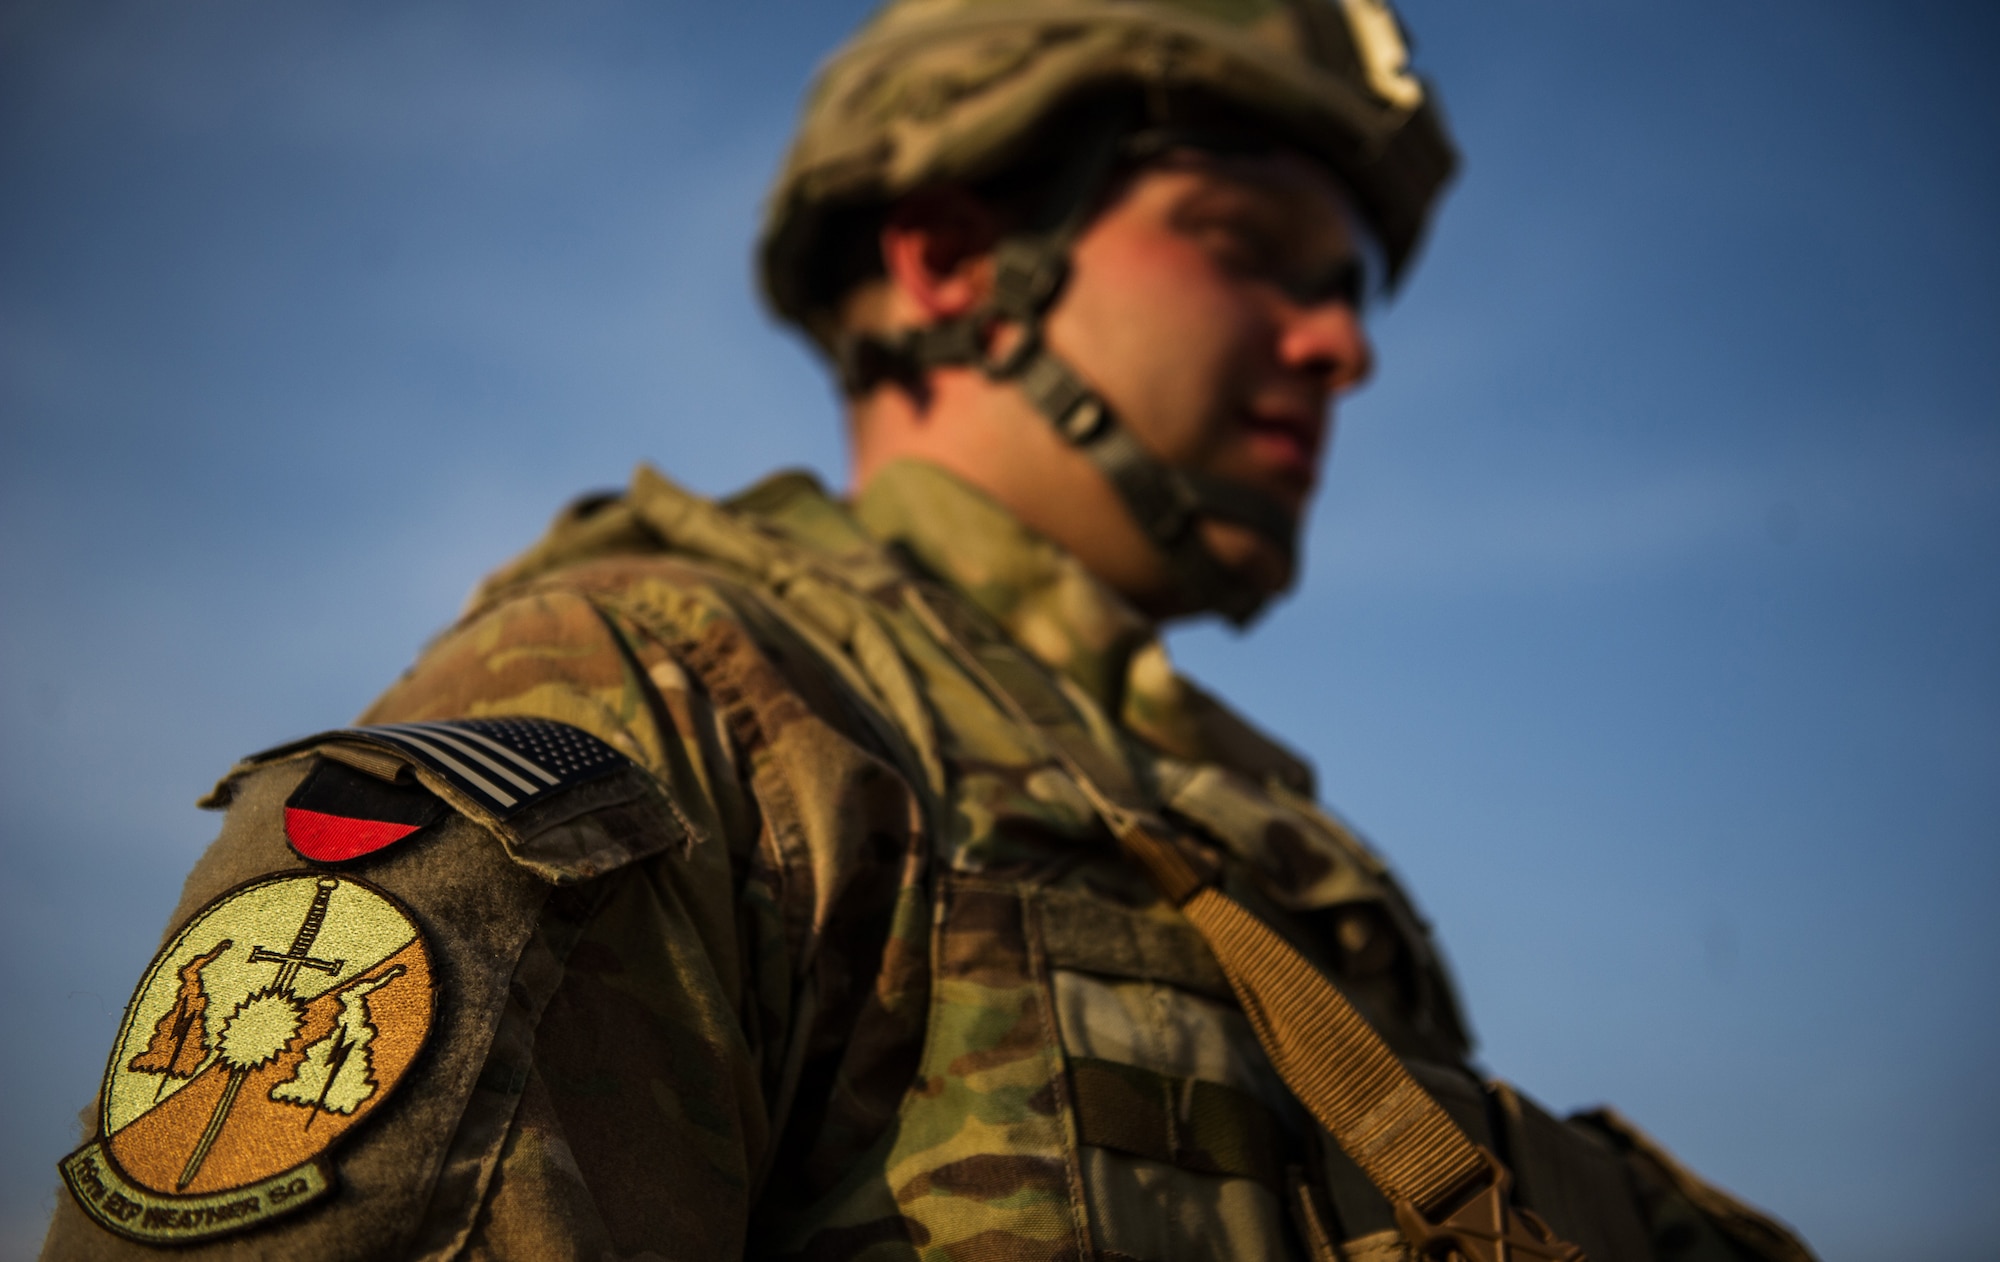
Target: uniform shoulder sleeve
328 1057
568 648
610 829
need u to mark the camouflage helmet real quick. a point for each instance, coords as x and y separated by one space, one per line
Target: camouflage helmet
935 91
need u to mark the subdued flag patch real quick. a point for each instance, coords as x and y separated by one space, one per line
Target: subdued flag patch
277 1019
503 765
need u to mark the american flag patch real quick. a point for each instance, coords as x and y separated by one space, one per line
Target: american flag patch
506 765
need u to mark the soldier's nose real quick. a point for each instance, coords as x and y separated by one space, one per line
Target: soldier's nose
1327 341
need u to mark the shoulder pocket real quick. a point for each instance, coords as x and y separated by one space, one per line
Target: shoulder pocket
562 803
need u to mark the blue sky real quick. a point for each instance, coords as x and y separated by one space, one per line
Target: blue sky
1652 626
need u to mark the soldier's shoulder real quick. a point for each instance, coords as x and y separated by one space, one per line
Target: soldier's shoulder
387 903
622 587
319 1052
623 580
540 789
655 530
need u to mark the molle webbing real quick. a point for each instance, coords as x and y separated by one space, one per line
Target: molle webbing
1083 934
1450 1193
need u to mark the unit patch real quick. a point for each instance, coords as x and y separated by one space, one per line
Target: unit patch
338 813
274 1022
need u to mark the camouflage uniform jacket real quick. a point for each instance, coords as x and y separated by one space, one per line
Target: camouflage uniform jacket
856 972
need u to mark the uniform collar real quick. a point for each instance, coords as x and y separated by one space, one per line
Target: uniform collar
1038 593
1046 600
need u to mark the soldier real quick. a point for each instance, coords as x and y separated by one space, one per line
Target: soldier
805 877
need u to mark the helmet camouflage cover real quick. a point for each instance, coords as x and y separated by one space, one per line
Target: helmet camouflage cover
938 91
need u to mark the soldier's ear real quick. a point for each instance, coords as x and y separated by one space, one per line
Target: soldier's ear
937 249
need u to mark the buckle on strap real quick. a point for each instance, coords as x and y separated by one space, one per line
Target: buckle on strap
1028 273
1484 1226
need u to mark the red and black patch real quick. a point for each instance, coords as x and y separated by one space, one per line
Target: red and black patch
340 813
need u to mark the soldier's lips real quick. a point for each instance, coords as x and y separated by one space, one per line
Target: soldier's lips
1285 446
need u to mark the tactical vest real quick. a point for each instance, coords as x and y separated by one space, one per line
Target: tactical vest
1085 1082
746 878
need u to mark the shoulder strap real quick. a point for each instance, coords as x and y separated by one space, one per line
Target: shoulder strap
1450 1194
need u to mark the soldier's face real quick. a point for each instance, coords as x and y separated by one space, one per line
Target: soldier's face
1209 303
1205 303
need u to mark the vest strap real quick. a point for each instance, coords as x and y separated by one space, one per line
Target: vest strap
1449 1193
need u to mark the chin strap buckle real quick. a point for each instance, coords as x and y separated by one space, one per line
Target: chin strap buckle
1484 1226
1028 273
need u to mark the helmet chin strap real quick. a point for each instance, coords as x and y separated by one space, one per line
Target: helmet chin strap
1167 503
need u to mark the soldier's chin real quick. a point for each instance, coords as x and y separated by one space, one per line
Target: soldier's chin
1253 559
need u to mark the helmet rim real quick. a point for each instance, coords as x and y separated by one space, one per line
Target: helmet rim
897 76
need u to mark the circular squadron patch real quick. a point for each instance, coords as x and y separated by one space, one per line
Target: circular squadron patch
277 1019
